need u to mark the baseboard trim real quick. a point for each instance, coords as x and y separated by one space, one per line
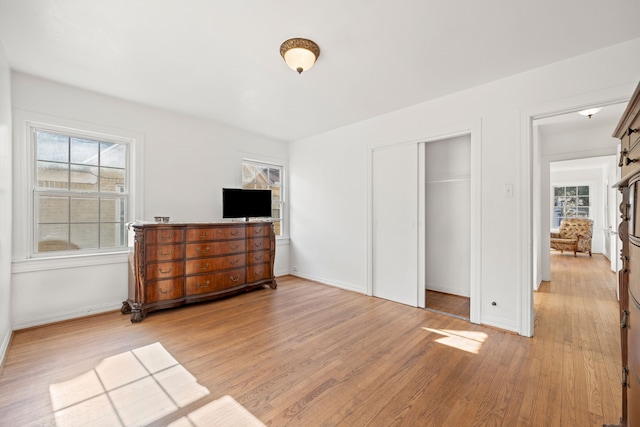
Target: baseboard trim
4 347
66 315
498 322
342 285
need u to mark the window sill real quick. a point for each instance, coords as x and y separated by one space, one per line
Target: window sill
68 261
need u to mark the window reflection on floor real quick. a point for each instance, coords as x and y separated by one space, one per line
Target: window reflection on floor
468 341
133 388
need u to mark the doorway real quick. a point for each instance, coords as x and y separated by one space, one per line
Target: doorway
533 237
448 225
575 152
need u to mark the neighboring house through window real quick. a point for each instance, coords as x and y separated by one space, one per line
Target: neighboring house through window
81 192
570 202
269 177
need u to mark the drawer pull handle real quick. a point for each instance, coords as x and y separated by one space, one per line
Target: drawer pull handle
259 273
234 232
628 161
630 131
165 292
625 261
165 272
166 236
206 284
623 154
257 230
257 257
235 279
206 266
234 247
170 252
625 316
203 251
203 234
234 261
258 244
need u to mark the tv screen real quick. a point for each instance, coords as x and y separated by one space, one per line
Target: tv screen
241 203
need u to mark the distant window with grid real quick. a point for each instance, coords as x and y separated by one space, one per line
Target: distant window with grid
268 177
80 194
570 202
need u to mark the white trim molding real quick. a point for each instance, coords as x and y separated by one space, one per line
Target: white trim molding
23 122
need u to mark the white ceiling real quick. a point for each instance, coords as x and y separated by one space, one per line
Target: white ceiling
220 59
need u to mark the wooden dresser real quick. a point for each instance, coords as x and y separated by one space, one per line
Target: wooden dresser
628 131
175 264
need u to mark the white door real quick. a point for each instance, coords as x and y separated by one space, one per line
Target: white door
395 223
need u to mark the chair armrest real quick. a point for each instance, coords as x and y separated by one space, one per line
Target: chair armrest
555 235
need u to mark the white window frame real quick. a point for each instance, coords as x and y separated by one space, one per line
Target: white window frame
25 258
282 190
565 186
77 194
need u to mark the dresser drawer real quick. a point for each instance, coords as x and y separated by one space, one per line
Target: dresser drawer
164 252
632 141
163 235
199 250
259 244
258 272
259 257
217 233
634 271
633 339
213 282
261 230
633 397
205 265
165 270
162 290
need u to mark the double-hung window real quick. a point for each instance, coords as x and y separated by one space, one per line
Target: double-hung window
570 202
269 177
81 192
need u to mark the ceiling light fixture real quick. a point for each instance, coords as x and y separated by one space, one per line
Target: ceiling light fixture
589 112
299 54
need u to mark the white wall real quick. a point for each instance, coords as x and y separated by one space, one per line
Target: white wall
330 179
5 203
447 223
186 162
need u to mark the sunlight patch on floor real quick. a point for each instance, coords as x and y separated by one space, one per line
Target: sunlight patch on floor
133 388
224 412
469 341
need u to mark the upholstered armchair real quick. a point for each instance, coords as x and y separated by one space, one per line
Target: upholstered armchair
574 235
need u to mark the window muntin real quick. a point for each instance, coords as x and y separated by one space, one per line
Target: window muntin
81 193
256 175
570 202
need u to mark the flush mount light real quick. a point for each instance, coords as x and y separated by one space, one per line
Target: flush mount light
299 54
589 112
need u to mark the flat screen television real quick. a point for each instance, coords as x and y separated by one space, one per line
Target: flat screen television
245 203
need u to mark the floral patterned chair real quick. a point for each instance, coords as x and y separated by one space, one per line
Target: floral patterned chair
574 235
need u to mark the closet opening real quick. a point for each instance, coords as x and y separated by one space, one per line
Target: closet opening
448 213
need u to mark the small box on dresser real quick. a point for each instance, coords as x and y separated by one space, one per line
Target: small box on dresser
176 264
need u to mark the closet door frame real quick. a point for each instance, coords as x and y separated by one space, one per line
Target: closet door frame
474 129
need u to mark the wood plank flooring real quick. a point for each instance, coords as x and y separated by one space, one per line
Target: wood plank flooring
448 303
312 355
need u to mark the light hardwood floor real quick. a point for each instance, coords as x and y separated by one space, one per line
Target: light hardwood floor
448 303
312 355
